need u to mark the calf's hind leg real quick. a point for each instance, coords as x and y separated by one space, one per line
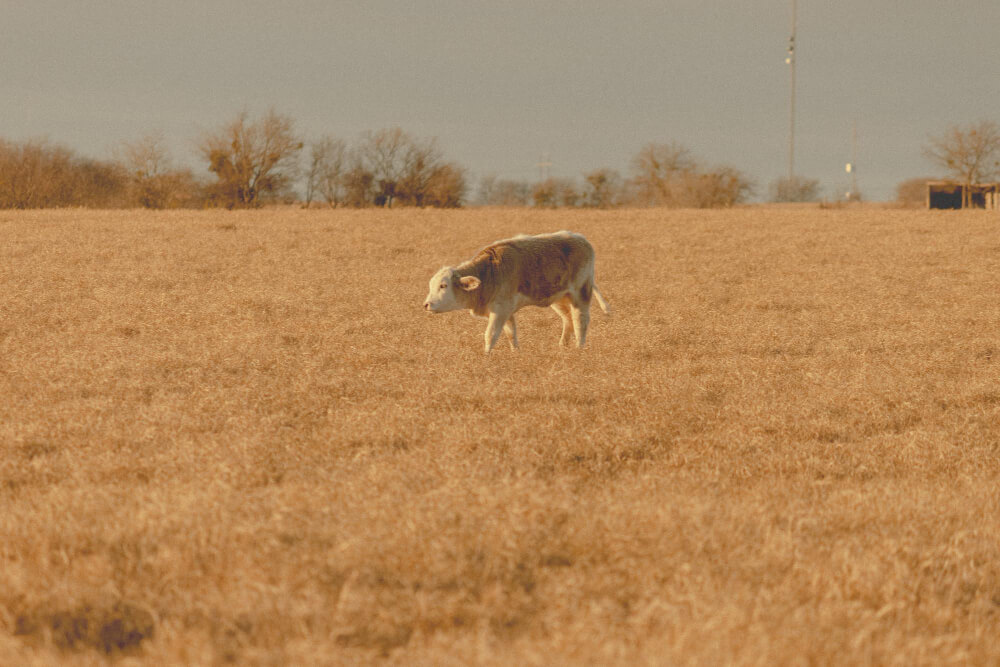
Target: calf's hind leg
562 309
510 328
581 319
580 307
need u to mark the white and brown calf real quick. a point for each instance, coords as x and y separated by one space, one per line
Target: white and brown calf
555 270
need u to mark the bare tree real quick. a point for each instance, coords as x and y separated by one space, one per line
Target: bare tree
420 162
656 169
512 193
153 180
543 194
328 165
567 193
495 191
446 187
99 184
970 153
383 154
722 187
486 193
359 182
252 160
554 193
35 174
147 156
312 174
603 188
796 189
912 193
667 175
392 167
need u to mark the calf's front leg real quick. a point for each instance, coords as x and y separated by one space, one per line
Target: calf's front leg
493 329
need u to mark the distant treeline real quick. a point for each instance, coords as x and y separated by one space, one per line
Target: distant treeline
36 175
661 175
254 162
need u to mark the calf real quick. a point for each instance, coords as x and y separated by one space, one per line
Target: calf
555 270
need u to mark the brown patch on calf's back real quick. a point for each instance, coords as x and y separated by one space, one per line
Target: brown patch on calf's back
543 275
549 264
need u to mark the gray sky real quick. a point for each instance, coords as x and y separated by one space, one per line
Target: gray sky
500 83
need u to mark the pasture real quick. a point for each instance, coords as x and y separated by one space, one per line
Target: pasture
236 437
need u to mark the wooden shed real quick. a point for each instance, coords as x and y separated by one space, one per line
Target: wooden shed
952 194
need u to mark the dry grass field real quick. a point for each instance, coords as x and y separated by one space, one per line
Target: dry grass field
236 437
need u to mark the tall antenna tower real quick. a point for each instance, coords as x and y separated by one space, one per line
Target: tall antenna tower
790 59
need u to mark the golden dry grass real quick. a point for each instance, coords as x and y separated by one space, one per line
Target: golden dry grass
237 437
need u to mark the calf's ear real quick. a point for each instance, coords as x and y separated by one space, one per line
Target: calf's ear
470 283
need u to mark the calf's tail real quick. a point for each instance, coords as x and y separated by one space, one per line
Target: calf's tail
601 302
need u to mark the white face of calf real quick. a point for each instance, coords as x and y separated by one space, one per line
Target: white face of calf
441 293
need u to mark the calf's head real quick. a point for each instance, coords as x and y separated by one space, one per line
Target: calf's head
447 291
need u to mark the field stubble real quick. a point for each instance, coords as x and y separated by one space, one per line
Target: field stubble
236 437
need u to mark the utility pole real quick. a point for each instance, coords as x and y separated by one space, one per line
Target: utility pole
543 167
852 166
790 59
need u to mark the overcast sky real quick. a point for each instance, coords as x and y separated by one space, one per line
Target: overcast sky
501 83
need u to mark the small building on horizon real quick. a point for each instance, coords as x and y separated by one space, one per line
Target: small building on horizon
953 194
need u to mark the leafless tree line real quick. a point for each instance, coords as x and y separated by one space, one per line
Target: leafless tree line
252 161
660 175
385 168
35 174
258 161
